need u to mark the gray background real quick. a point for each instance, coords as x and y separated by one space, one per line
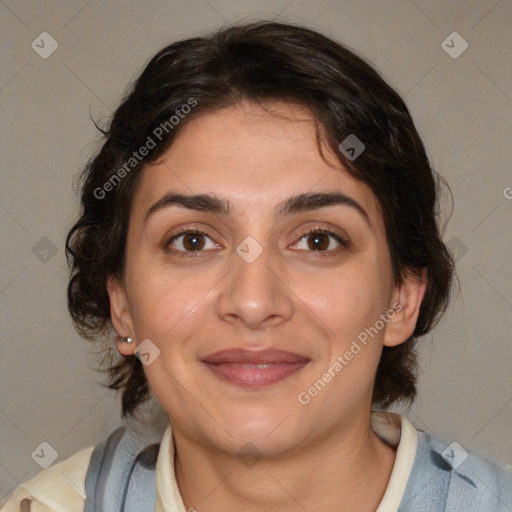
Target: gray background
462 108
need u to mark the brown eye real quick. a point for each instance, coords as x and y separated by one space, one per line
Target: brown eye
319 240
193 241
189 242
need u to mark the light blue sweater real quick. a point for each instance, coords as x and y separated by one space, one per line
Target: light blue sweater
442 479
122 477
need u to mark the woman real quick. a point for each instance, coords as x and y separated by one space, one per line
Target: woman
259 231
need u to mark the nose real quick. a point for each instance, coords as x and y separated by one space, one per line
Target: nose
255 293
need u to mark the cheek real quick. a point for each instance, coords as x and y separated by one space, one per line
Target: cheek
346 302
164 301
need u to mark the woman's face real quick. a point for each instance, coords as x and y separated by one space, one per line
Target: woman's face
251 278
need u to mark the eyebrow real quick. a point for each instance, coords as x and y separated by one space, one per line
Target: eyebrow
294 204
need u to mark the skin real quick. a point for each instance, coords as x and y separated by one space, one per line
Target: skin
320 456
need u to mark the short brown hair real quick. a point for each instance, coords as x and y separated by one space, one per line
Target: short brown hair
260 62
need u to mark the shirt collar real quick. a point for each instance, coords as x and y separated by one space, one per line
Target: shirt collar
394 429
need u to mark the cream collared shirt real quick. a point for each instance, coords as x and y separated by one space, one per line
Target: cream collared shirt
60 488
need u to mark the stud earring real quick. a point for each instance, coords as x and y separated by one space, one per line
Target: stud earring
129 339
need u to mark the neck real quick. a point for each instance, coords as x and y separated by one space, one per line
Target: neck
344 471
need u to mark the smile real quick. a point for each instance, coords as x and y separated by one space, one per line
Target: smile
254 375
254 368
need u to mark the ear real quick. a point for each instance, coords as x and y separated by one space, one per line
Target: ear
120 314
407 299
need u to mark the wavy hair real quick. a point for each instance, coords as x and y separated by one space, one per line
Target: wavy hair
261 62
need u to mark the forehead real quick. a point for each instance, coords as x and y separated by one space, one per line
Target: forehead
255 156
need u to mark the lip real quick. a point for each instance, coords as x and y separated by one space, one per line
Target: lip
244 367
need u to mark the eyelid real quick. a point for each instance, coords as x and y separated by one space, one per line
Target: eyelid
343 240
184 230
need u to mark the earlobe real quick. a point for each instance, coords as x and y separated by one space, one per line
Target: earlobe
408 298
120 314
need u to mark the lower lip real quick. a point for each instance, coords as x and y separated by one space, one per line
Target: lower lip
253 377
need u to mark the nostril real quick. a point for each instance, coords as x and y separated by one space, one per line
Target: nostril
25 505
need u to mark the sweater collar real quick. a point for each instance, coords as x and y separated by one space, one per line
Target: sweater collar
394 429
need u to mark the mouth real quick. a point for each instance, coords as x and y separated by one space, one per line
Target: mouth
254 368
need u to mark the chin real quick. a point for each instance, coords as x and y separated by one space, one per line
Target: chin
270 433
249 443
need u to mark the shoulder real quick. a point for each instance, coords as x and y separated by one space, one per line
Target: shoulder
58 488
447 475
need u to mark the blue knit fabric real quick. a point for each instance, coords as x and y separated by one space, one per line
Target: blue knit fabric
445 478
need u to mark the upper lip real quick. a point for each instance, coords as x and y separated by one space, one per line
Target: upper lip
262 356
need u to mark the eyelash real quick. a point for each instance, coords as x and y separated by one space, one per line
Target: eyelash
344 244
